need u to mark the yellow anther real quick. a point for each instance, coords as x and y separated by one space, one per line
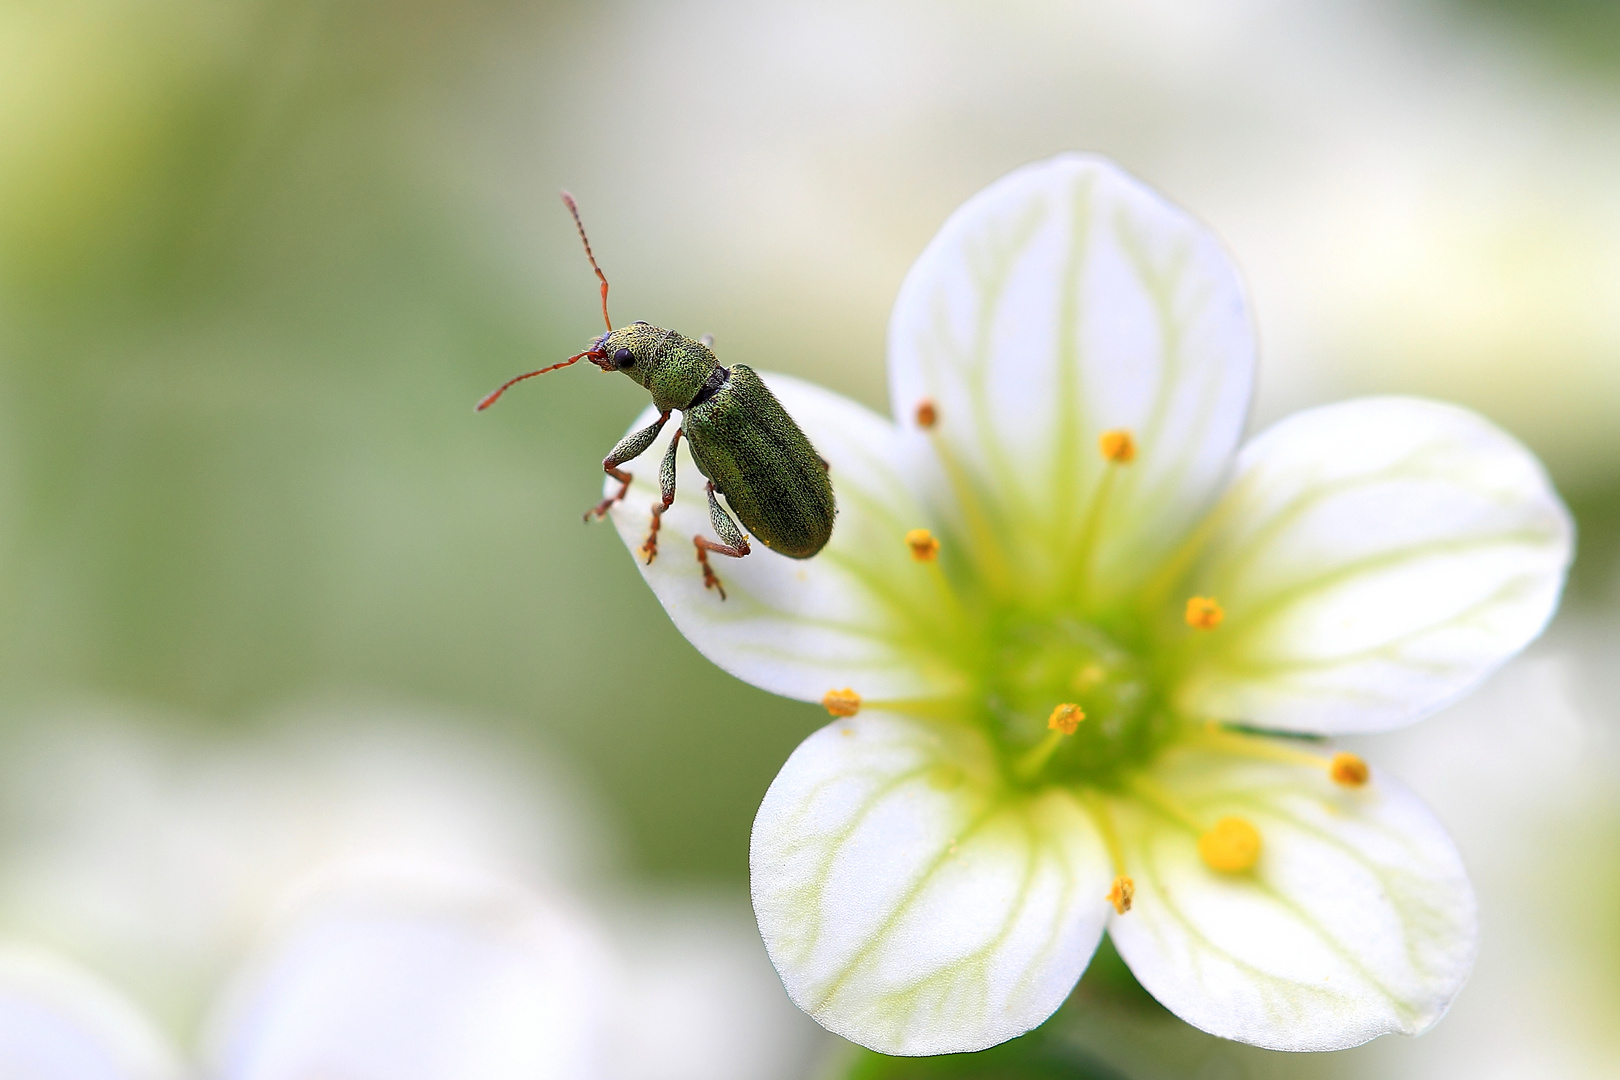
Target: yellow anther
1117 446
924 547
1203 613
927 413
1231 847
1065 718
1348 769
845 702
1121 895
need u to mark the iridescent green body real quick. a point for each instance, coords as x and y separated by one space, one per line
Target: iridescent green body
776 484
740 437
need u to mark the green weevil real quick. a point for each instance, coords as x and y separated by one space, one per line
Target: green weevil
740 438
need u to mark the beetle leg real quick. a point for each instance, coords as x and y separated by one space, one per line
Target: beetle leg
734 545
732 540
649 546
709 580
666 484
631 446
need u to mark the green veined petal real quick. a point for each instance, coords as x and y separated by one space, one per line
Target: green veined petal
1064 301
1376 559
911 901
1357 919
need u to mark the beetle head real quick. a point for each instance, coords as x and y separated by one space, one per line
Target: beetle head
637 350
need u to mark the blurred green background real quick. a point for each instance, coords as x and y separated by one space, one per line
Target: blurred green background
259 259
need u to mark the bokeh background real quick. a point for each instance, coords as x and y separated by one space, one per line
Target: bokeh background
272 595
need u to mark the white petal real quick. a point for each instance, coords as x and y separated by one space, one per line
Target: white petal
448 979
1358 919
60 1023
1376 559
910 901
699 1000
1065 300
861 614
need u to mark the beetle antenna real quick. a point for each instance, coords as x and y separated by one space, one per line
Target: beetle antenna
494 395
589 254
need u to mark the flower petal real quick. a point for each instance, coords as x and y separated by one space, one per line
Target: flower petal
911 901
442 976
1357 920
861 614
58 1022
1376 559
1064 301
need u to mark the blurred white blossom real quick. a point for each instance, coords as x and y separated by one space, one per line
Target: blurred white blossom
357 901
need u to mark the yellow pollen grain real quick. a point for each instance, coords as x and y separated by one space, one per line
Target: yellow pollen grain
845 702
924 547
927 413
1204 613
1065 718
1231 847
1118 446
1121 895
1348 769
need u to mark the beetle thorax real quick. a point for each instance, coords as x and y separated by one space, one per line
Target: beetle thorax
671 366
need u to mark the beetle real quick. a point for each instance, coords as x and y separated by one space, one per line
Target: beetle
741 439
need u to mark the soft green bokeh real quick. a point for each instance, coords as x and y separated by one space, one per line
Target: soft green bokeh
244 326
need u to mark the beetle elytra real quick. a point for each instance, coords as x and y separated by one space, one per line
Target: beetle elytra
741 439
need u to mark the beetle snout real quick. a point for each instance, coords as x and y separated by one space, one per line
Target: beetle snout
597 353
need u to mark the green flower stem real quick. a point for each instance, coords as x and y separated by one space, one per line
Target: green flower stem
1162 800
1028 766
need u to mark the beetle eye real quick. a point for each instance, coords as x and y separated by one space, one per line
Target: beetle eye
623 358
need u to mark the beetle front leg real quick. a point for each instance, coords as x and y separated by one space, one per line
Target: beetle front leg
631 446
734 545
666 484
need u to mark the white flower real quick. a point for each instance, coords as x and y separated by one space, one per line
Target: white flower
427 973
1058 532
389 903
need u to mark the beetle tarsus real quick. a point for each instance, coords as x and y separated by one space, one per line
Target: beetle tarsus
649 547
599 511
710 581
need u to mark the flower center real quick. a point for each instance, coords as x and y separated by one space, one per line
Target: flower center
1039 665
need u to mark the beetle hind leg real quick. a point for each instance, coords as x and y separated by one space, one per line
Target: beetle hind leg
733 543
710 581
